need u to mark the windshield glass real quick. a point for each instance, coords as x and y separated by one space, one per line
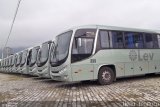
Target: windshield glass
43 53
24 56
61 48
32 57
52 54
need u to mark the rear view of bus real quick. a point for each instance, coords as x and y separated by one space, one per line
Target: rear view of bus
24 69
32 59
43 60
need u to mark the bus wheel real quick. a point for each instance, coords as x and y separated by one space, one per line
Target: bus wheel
105 76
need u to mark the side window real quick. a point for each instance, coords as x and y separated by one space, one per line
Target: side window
138 40
134 40
149 41
104 39
158 36
155 39
116 39
129 40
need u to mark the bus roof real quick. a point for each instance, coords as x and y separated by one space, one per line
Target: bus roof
116 28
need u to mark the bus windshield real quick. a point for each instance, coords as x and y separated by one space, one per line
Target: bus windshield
24 56
59 55
33 56
43 54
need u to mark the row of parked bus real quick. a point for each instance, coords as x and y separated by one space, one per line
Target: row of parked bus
96 52
32 61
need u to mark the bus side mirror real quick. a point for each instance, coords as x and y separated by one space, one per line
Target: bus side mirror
79 42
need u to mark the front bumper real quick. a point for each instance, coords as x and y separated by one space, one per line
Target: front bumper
62 75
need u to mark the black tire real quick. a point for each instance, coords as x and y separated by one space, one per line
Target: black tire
105 76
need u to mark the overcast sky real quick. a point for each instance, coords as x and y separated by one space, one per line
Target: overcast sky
41 20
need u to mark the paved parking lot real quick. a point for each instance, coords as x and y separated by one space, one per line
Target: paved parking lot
20 90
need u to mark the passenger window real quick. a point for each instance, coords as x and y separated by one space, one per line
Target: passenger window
116 39
129 41
155 39
158 36
104 39
149 40
138 40
134 40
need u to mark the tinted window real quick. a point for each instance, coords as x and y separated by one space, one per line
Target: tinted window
149 40
155 39
116 39
158 40
133 40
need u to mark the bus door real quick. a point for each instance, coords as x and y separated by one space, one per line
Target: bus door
82 65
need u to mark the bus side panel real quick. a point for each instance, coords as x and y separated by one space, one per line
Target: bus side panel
140 67
154 66
120 69
115 57
129 69
154 63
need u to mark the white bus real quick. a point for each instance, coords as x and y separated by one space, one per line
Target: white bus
9 63
13 63
19 58
24 68
43 57
104 53
32 59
